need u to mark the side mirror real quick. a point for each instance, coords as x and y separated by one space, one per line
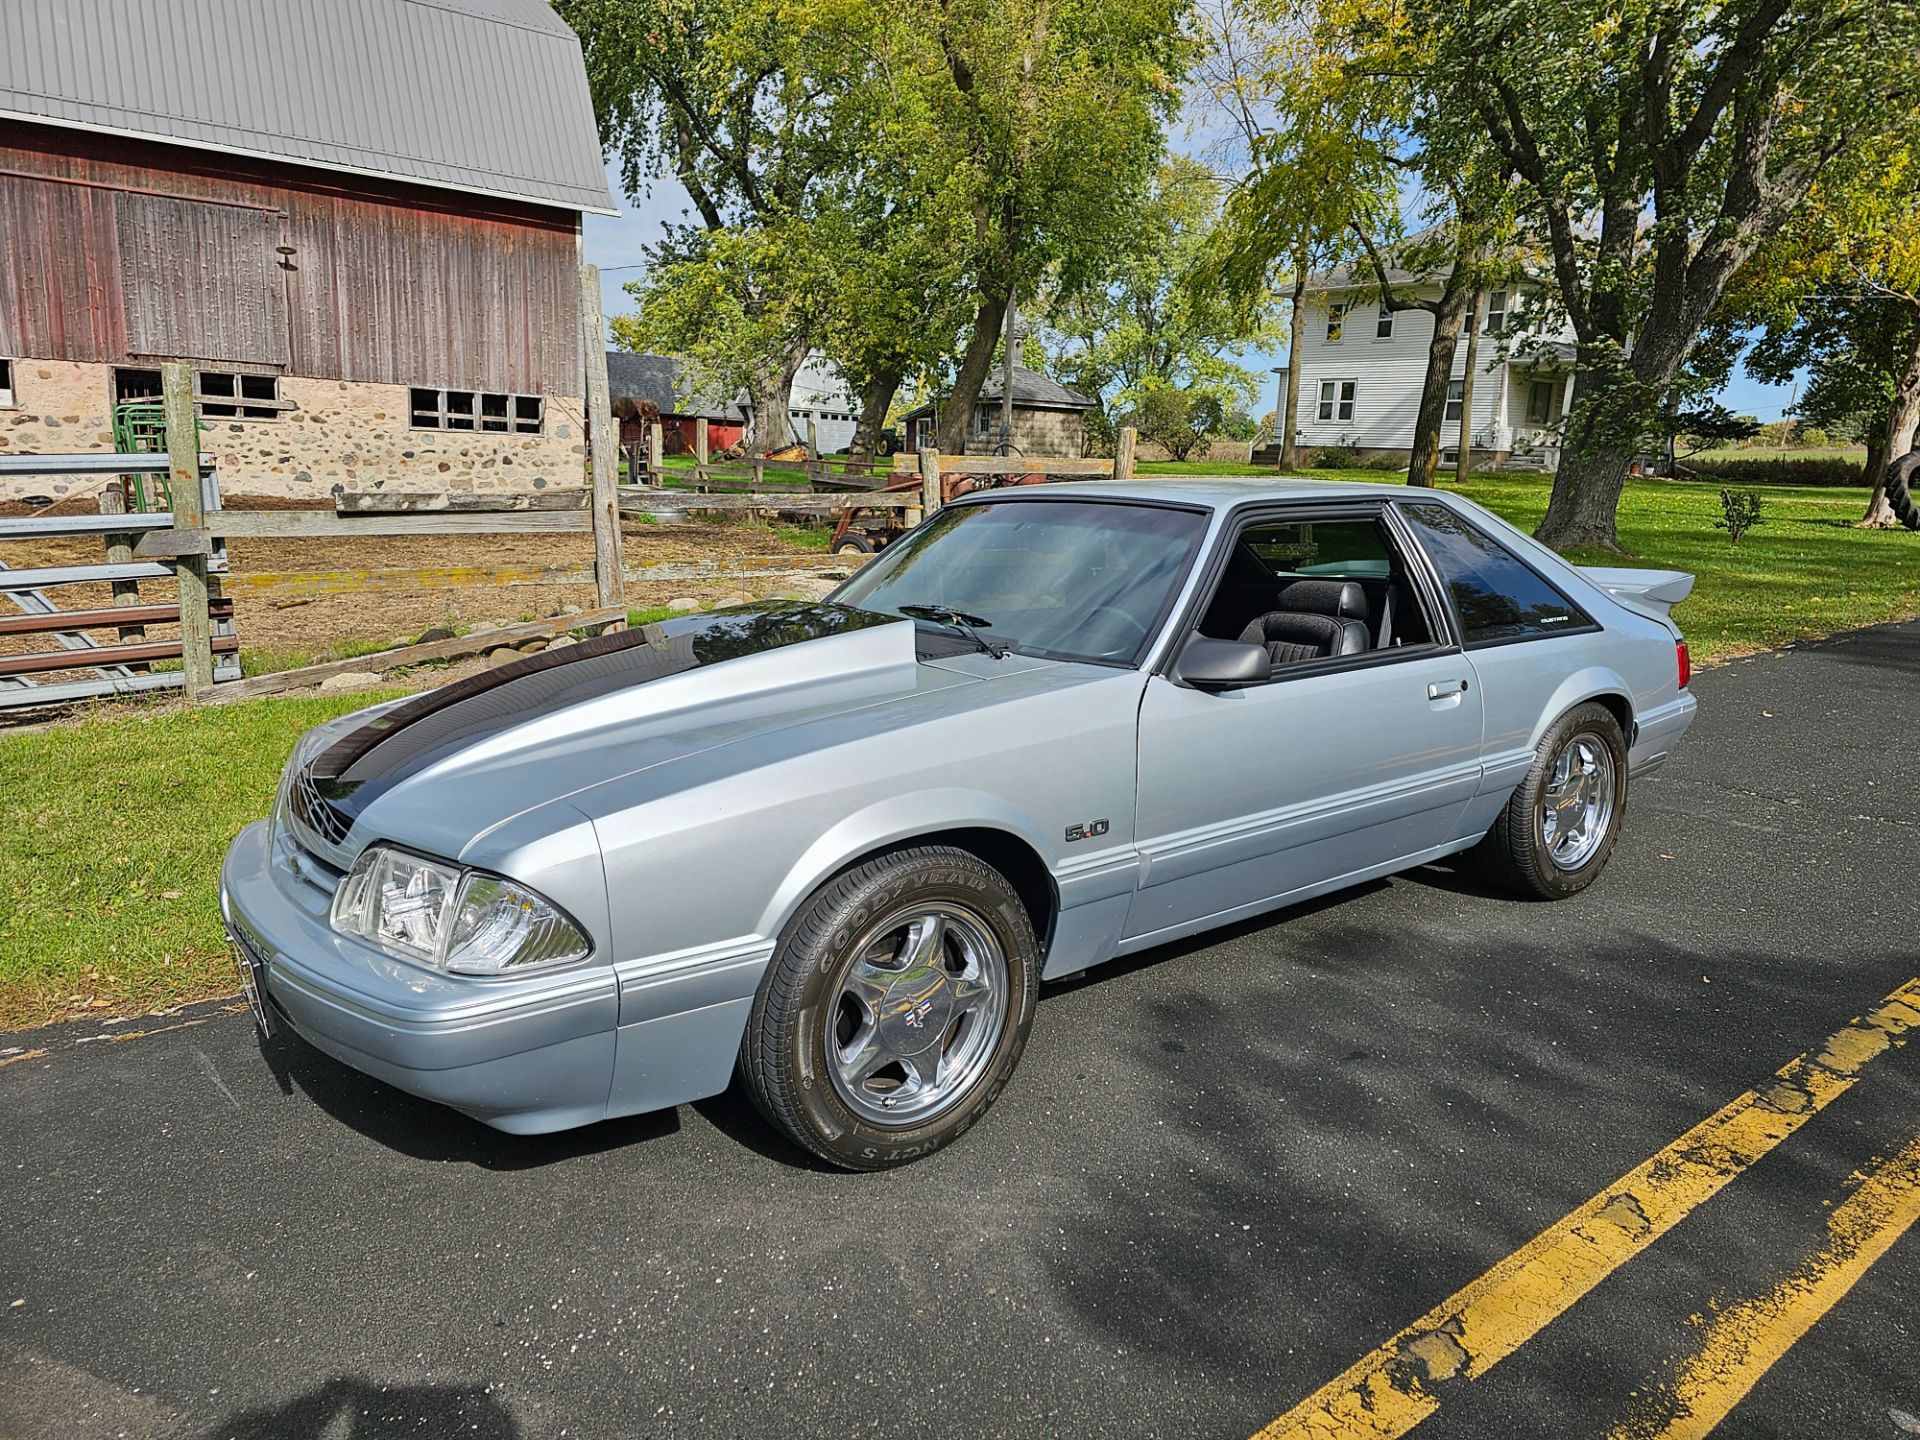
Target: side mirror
1209 664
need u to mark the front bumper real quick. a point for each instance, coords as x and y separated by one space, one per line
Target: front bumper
526 1055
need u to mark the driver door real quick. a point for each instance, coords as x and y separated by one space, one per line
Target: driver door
1338 768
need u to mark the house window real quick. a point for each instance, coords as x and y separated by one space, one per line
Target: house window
1497 312
1336 320
1543 402
476 410
224 395
1383 323
6 384
1456 392
1336 399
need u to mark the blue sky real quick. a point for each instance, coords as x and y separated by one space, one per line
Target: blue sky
616 245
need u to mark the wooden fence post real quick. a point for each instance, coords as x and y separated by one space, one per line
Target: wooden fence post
929 483
656 455
189 513
609 584
1123 453
120 552
701 449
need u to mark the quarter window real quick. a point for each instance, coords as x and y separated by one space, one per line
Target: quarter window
475 410
1336 399
1336 320
1495 594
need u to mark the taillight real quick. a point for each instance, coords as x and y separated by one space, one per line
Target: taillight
1683 661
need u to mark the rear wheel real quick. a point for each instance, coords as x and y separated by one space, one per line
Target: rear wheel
895 1008
853 543
1560 825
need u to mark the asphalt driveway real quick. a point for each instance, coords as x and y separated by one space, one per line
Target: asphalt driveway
1225 1174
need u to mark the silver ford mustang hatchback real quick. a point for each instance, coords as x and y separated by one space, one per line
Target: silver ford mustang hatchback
835 847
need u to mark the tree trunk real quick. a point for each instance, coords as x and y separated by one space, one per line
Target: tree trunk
771 386
956 417
1586 494
1428 421
1896 440
1289 458
875 401
1461 466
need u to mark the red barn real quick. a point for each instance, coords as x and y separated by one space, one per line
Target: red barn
364 237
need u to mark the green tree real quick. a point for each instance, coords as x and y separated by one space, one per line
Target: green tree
754 107
1176 417
1159 322
1660 144
1052 114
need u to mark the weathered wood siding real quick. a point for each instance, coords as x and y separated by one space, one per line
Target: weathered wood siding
125 252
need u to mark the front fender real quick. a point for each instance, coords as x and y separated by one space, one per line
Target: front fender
890 821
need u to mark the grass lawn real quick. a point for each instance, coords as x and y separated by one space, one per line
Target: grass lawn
115 825
111 851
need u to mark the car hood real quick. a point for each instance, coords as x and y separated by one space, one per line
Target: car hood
443 768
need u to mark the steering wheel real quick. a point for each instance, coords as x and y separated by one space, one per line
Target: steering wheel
1115 620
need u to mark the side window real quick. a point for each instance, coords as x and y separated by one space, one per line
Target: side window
1496 595
1329 588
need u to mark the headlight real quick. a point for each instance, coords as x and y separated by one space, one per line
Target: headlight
452 918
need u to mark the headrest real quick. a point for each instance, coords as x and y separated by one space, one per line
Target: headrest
1341 599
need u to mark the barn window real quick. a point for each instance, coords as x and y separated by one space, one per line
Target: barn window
475 410
223 395
6 384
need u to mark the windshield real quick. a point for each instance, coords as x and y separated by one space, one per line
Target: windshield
1067 579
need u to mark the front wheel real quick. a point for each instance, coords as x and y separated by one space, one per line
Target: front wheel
895 1008
1559 827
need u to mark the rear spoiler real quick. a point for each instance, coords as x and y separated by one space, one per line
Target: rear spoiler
1650 592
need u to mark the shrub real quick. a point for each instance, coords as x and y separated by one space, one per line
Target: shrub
1741 510
1383 462
1771 470
1334 457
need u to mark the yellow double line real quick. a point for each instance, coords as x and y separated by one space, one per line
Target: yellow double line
1389 1391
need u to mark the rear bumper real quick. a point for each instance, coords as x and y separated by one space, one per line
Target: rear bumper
525 1055
1657 731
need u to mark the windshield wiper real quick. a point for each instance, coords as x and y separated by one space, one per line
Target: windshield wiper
968 625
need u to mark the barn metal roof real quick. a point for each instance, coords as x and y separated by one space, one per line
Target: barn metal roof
484 96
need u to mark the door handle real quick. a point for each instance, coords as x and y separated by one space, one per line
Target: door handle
1443 689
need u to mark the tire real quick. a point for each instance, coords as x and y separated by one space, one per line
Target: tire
1901 475
852 1027
853 542
1542 856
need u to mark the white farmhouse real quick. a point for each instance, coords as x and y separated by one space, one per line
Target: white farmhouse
1361 368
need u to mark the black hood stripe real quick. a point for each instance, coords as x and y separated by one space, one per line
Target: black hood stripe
365 762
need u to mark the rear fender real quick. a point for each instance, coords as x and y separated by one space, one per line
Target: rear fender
1583 685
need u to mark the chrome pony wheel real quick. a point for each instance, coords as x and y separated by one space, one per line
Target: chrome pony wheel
1576 807
918 1013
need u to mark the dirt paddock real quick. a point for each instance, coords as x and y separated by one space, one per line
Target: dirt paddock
277 622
